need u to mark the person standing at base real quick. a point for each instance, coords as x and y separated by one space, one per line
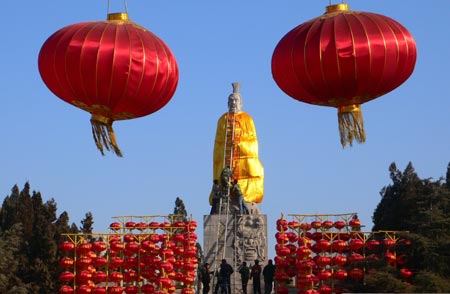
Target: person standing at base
245 275
205 277
255 275
268 274
225 277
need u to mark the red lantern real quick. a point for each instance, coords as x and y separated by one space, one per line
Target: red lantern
355 258
66 247
340 275
305 226
356 273
327 224
405 273
324 275
115 276
316 224
323 260
131 289
354 223
99 246
282 225
99 276
113 69
339 225
66 262
339 245
325 289
66 290
293 225
115 289
84 248
372 244
66 277
339 260
342 59
84 289
115 226
356 244
130 225
99 261
323 245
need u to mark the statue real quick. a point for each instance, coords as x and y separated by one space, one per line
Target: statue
245 165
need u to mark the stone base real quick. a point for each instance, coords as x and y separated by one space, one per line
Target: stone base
246 240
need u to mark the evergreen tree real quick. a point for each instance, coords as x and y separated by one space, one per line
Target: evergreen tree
421 207
34 235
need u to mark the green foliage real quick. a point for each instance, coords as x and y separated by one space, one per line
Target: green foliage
420 206
30 234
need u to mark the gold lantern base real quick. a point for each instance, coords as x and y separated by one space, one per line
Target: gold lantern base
104 134
351 124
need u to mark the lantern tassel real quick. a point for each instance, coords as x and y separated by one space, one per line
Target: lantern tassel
104 136
351 124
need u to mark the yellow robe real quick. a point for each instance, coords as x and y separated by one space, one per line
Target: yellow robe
249 171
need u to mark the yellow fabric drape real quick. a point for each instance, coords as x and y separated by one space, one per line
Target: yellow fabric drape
249 171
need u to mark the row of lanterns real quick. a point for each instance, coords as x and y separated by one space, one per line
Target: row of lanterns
318 260
117 70
131 263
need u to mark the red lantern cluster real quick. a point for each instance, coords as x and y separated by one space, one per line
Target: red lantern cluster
321 253
147 262
343 59
113 69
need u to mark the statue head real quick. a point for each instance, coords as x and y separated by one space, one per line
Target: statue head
235 99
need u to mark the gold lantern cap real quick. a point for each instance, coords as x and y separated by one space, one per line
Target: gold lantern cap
118 16
337 8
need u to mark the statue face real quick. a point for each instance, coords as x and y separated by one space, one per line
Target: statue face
234 102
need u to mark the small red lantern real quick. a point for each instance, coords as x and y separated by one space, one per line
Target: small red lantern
293 225
113 69
99 276
282 225
115 262
323 260
84 262
355 258
130 276
339 260
99 261
372 244
324 275
355 223
389 243
66 290
316 224
342 59
84 248
327 224
66 262
340 275
115 226
84 289
356 274
390 258
115 276
117 246
325 289
405 273
99 246
323 245
305 226
130 225
356 244
339 225
66 277
115 289
66 246
339 245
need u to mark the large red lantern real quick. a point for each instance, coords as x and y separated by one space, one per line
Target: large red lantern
342 59
113 69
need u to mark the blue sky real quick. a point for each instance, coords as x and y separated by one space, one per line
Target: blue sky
169 153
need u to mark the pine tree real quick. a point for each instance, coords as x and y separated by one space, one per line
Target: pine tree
420 206
35 243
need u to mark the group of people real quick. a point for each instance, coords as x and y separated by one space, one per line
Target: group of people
231 187
247 273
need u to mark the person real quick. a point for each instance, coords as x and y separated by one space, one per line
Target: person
255 275
236 191
268 275
246 166
205 277
215 196
225 277
245 275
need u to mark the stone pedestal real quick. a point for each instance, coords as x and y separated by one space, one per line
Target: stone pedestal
246 240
